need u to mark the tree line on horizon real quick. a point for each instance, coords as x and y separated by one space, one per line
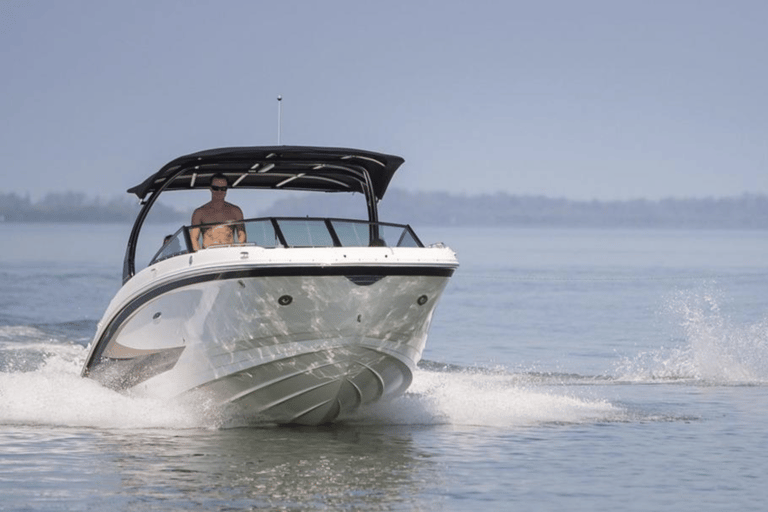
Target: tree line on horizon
74 207
748 211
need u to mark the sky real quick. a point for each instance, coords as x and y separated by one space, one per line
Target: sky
587 99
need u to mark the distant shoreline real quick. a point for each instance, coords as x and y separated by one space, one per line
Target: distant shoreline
748 211
76 207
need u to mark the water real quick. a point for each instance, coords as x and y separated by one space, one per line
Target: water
566 370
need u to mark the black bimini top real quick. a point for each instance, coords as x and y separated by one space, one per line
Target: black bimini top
278 167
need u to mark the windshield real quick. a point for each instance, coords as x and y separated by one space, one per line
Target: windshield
295 232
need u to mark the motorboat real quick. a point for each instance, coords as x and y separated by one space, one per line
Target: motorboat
304 322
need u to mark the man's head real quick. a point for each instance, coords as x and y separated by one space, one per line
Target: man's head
219 185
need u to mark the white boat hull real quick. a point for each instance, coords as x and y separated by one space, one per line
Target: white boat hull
304 338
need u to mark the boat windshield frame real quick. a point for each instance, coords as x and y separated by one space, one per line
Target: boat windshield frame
296 232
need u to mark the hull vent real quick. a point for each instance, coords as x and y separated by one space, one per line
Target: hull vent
364 280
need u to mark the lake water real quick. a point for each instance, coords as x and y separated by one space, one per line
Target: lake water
565 370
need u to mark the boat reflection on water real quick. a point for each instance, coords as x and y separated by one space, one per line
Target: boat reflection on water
276 468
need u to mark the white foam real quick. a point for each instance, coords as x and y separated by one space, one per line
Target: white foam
715 348
492 400
55 394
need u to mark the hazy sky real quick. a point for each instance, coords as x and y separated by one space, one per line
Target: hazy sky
580 99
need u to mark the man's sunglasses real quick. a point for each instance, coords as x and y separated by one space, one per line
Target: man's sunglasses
218 189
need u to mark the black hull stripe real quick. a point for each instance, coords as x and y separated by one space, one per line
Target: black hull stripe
260 271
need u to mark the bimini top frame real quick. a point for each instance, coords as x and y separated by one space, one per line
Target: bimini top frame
268 167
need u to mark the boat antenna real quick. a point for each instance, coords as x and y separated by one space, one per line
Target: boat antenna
279 117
